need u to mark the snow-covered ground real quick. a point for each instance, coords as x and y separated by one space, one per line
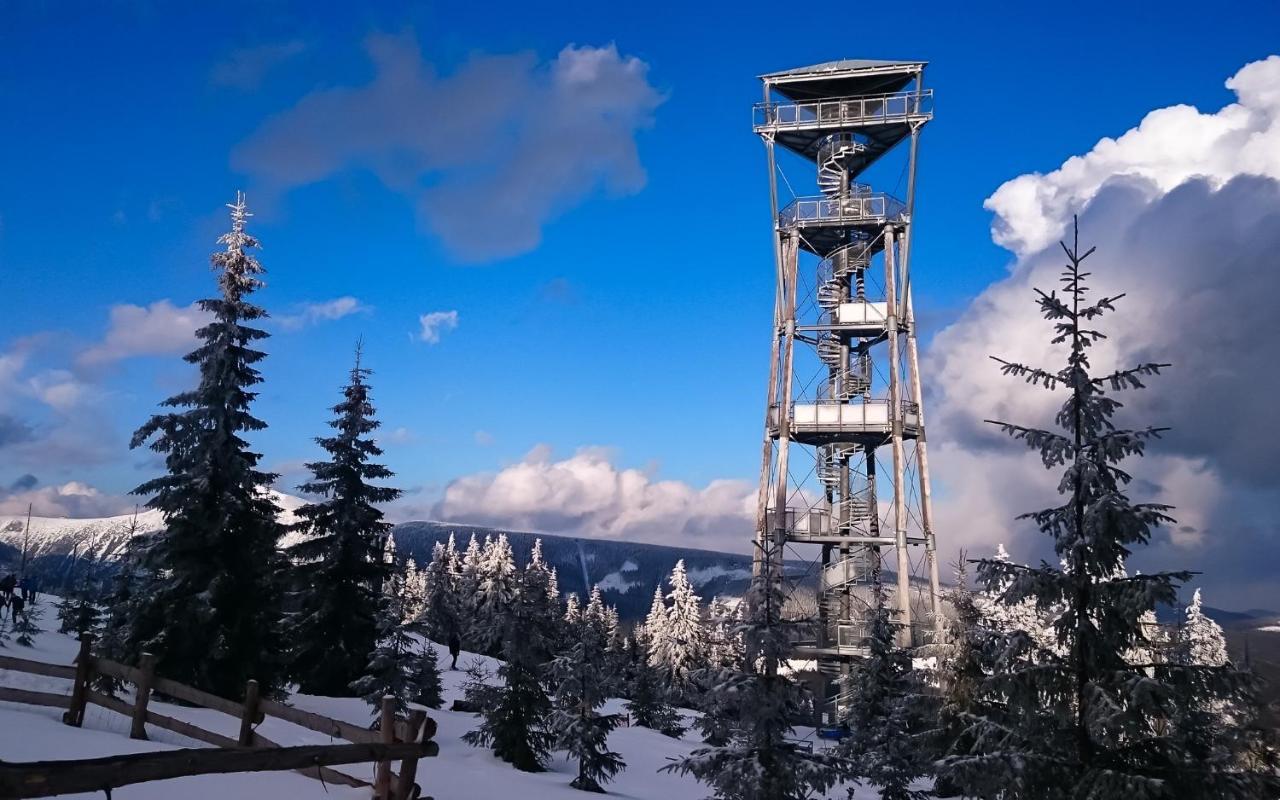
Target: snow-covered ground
461 772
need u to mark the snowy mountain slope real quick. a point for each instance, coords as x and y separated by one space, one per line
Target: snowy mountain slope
460 772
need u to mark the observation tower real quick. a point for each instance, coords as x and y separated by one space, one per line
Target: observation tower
844 483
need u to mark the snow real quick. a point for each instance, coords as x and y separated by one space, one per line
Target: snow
704 575
1270 628
102 538
614 582
461 772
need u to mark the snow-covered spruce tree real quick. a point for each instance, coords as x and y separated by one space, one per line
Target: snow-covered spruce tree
468 592
538 574
515 715
427 687
680 647
648 695
1083 721
393 663
212 617
440 618
415 591
495 593
881 749
1199 640
339 569
1007 618
759 763
583 677
724 660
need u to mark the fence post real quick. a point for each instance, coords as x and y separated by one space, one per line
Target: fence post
250 713
146 674
409 766
382 775
80 690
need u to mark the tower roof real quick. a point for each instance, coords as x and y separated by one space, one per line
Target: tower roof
846 77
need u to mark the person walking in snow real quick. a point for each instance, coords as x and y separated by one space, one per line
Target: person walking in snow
16 605
455 647
7 584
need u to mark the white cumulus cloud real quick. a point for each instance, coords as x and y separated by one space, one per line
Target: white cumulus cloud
434 323
157 329
1170 146
588 495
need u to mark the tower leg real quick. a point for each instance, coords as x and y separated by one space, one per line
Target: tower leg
899 461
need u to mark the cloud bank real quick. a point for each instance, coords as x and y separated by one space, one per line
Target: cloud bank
503 137
588 495
1185 212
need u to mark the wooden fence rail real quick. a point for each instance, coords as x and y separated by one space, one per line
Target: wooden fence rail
382 746
45 778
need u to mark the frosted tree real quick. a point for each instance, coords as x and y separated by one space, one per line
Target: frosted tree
1023 616
648 695
654 627
468 590
339 564
442 615
724 660
515 715
415 591
392 665
724 637
679 646
758 762
583 677
1200 641
538 574
495 593
879 693
213 616
1083 721
572 610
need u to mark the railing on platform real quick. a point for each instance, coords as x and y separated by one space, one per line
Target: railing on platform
856 209
845 111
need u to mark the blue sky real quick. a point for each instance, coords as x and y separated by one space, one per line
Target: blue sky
639 320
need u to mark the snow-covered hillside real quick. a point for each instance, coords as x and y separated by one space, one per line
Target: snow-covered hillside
461 772
99 538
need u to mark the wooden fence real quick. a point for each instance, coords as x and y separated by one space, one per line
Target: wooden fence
402 740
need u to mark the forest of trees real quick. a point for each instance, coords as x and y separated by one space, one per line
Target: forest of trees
1055 680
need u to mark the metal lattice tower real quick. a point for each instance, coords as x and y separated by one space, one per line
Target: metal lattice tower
845 465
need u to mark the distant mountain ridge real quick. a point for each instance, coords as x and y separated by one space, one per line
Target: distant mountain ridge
62 551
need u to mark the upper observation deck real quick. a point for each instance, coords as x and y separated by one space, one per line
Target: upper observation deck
869 98
826 223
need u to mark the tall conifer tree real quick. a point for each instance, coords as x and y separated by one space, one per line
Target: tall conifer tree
1084 720
212 616
339 566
